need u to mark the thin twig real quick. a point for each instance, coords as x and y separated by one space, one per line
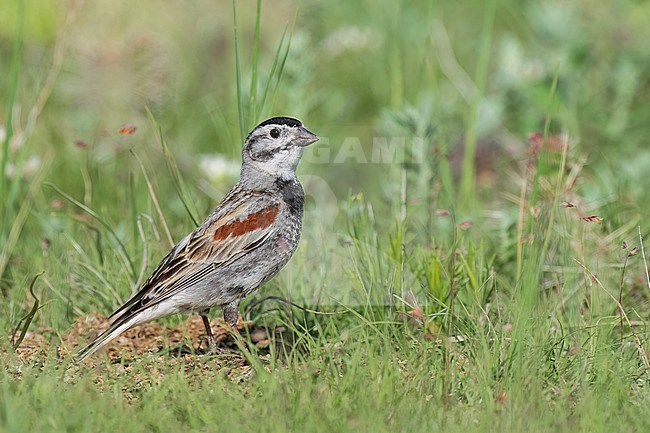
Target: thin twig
300 307
645 261
50 80
154 198
620 294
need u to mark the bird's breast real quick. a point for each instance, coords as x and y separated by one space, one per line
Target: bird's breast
292 195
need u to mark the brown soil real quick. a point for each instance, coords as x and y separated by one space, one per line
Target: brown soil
185 342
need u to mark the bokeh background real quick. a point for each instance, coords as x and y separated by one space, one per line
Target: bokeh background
474 225
427 111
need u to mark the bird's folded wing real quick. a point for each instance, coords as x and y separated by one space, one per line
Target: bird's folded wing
224 237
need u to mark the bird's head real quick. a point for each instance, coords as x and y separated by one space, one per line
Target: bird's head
275 146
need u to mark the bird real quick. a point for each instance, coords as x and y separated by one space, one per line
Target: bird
244 242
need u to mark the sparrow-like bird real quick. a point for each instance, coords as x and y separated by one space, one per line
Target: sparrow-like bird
242 244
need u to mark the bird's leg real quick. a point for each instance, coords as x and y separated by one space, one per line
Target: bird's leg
230 315
212 344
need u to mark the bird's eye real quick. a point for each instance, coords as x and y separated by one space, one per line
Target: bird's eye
275 133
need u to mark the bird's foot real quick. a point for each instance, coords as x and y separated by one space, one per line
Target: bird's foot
208 346
215 350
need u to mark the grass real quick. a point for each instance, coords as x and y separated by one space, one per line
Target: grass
503 288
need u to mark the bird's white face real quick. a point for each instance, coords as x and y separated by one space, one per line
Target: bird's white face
275 146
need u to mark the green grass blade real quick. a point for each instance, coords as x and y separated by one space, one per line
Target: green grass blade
154 198
18 223
559 177
267 85
27 319
11 100
240 102
467 180
103 223
256 52
281 68
172 167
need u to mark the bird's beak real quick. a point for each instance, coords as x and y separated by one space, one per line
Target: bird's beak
304 137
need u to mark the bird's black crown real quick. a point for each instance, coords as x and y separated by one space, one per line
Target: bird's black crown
289 121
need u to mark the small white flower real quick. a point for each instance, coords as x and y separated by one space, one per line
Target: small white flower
351 38
32 165
218 168
515 67
10 170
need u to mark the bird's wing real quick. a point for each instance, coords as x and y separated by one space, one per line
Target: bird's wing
241 223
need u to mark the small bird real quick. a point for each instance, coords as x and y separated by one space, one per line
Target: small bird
241 245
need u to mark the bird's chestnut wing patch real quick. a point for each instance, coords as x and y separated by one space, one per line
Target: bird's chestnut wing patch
255 221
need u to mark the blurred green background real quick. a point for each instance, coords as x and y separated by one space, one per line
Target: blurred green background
470 80
467 149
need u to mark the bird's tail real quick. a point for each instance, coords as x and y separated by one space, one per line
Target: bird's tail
116 328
